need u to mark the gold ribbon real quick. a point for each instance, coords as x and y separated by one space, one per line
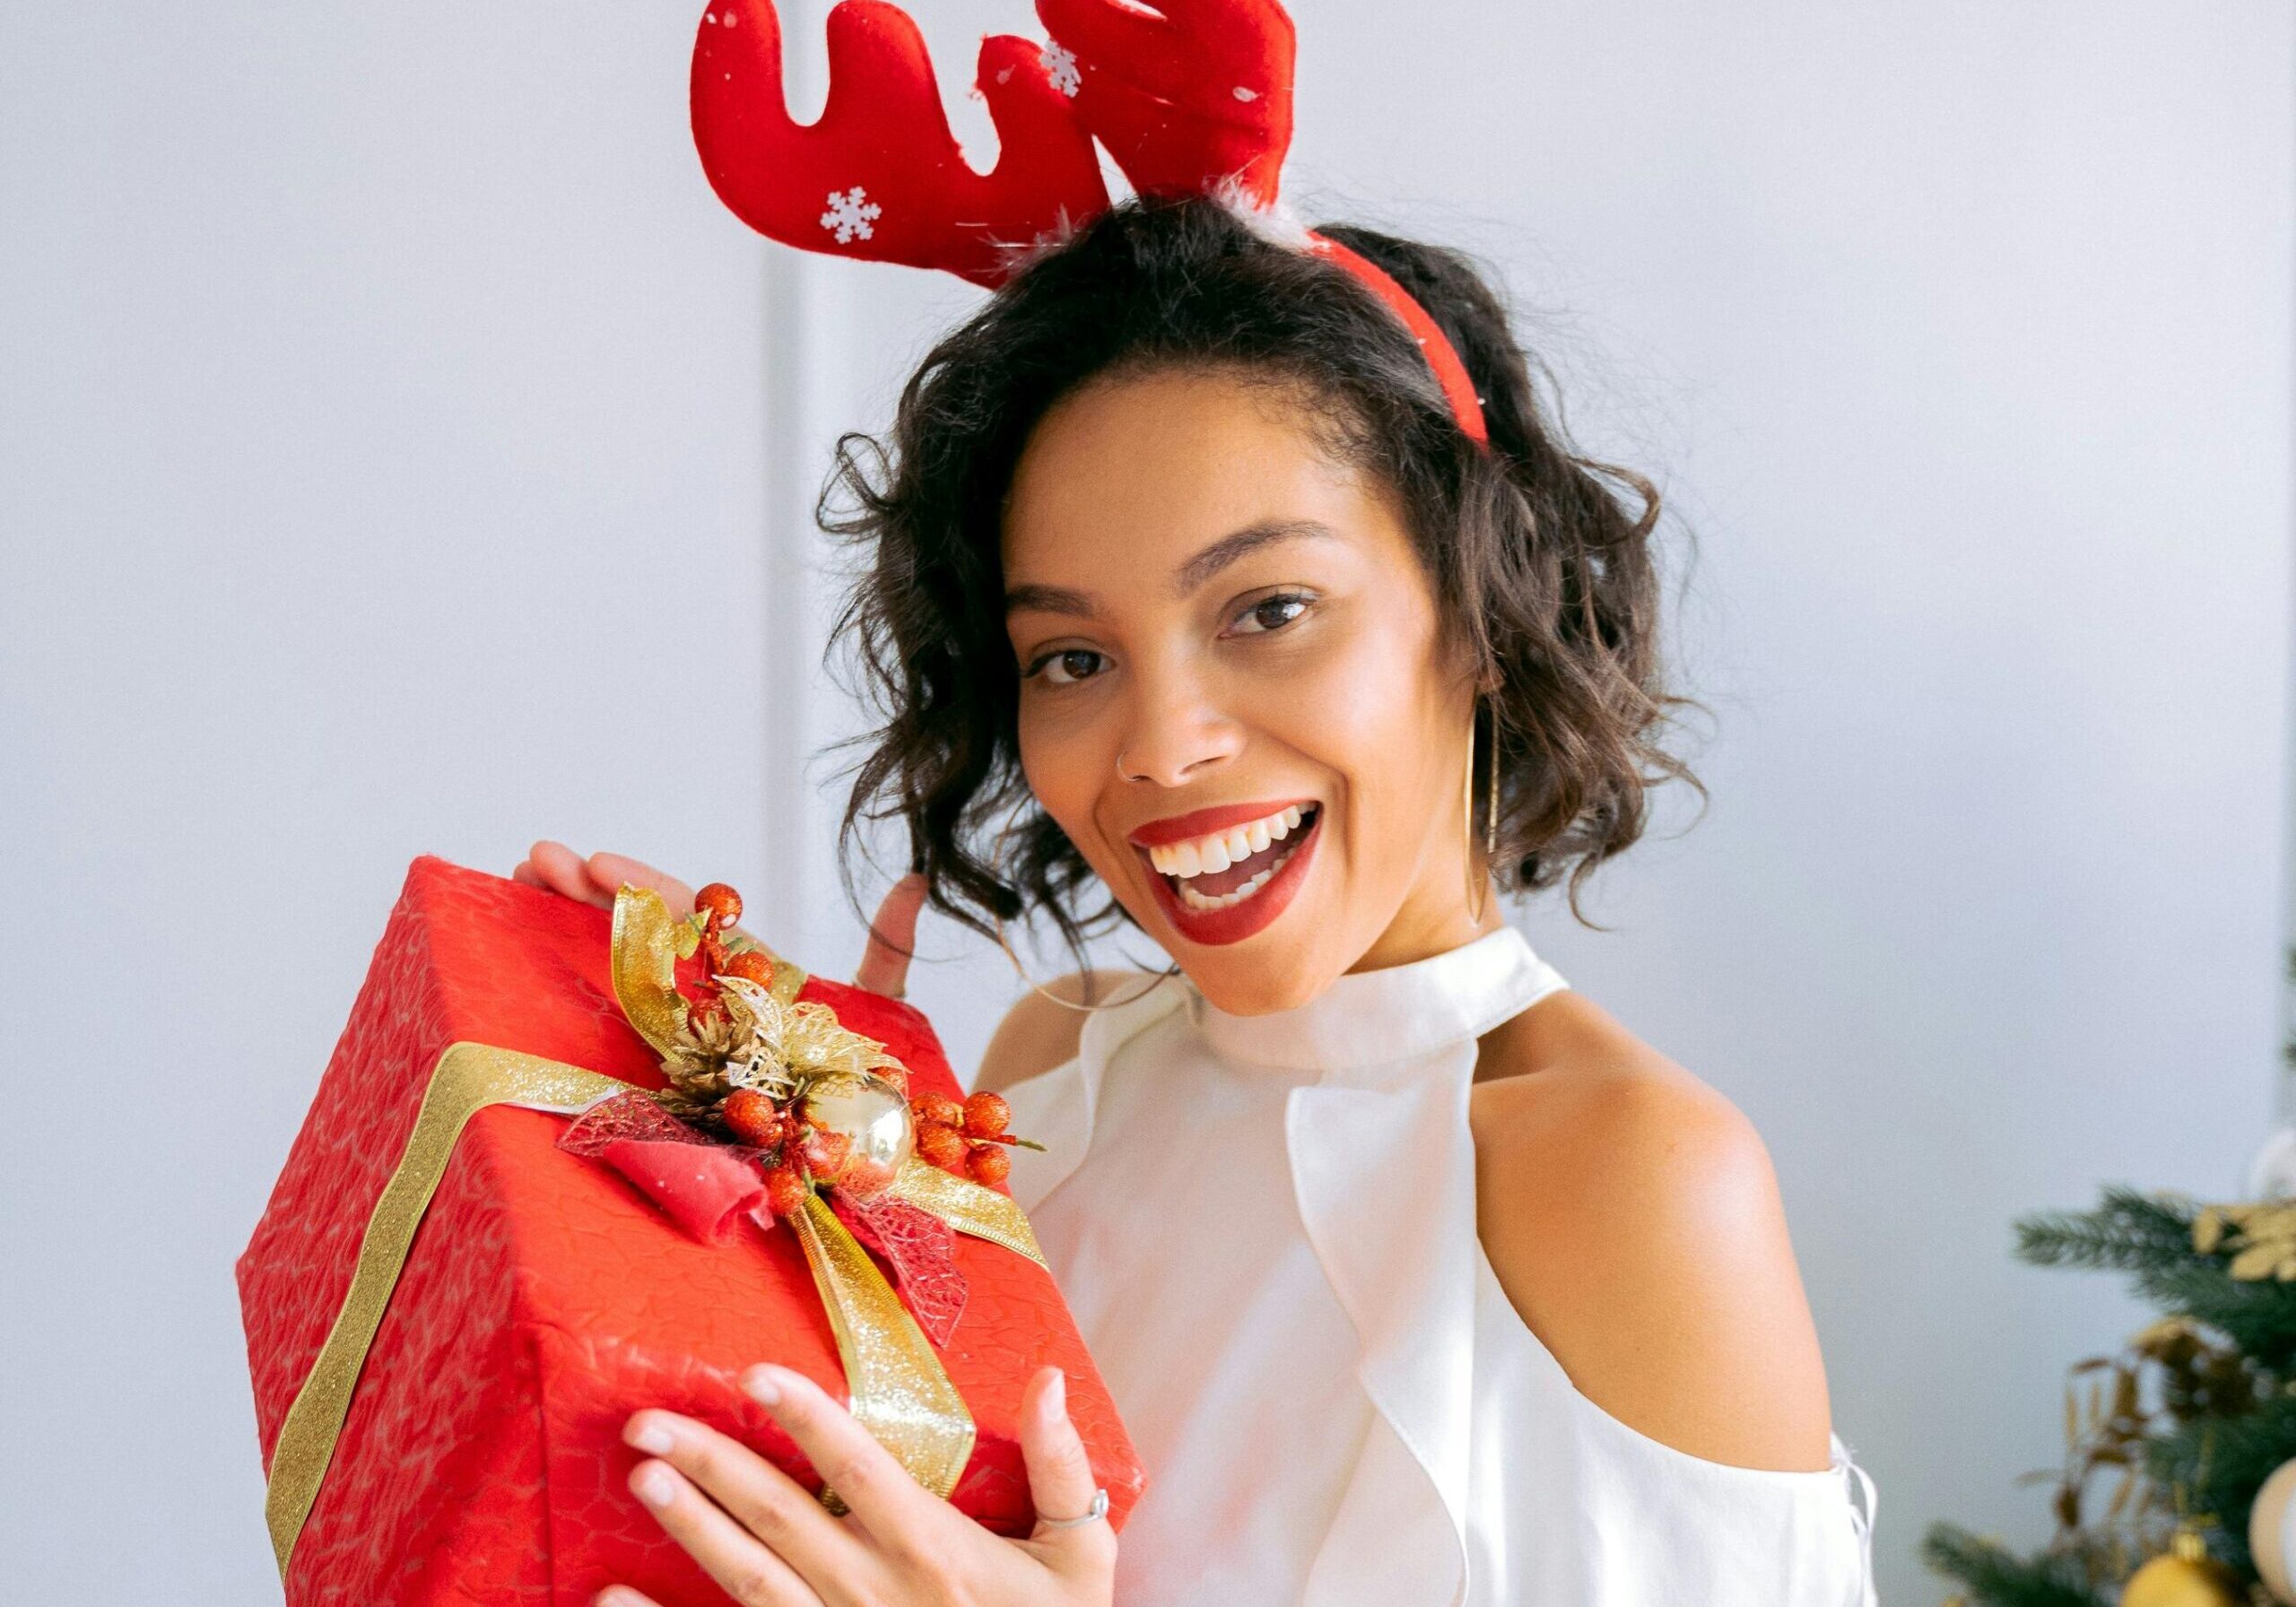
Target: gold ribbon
900 1393
898 1387
645 960
968 1207
468 1078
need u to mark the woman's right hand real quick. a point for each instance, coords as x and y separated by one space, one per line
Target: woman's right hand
885 962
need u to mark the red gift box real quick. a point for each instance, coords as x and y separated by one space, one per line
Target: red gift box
543 1299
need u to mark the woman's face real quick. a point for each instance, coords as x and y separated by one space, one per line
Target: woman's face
1231 699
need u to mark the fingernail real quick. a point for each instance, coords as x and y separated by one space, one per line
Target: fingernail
1056 1397
763 1387
653 1485
652 1438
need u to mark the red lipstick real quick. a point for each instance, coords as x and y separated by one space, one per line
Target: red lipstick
1203 822
1237 922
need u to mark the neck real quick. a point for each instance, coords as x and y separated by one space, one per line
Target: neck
1417 932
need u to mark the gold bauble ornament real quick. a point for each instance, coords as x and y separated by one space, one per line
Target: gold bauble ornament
2271 1531
872 1116
2185 1575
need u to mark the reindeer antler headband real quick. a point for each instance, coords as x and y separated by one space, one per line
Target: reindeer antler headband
1191 99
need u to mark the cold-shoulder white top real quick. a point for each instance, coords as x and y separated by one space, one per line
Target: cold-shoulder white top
1265 1227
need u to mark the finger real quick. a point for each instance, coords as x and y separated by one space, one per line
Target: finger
1060 1475
622 1595
610 873
904 1518
892 939
524 871
754 1493
560 869
728 1553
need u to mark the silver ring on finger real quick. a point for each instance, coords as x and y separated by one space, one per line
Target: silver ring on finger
1097 1509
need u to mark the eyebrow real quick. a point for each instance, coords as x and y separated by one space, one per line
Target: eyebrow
1193 573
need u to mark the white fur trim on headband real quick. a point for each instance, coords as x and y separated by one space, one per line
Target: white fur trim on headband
1274 222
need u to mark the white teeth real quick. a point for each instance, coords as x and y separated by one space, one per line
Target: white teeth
1197 900
1216 851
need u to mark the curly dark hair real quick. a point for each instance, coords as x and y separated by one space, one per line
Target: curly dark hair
1540 571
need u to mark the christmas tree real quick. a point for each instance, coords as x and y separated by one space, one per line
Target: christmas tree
2169 1442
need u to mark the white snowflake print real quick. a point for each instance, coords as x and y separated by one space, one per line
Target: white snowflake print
849 214
1060 62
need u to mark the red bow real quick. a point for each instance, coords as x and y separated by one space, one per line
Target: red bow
706 1186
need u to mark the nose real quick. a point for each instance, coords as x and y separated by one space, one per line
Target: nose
1174 731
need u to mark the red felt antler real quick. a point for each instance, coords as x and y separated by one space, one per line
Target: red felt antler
1198 94
1189 96
1186 97
879 175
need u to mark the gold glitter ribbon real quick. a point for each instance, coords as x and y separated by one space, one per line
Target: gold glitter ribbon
900 1393
468 1078
968 1207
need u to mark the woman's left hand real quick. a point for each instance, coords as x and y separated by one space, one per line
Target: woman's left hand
771 1543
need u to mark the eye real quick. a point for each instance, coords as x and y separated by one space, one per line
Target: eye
1272 613
1065 667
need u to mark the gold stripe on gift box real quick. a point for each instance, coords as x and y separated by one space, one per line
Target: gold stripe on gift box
468 1078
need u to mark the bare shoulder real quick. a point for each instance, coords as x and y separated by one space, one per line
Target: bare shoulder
1633 1216
1037 1035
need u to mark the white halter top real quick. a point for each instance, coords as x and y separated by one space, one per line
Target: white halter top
1265 1227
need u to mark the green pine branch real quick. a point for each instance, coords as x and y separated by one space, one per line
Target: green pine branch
2151 1237
2258 1315
2221 1462
2225 1425
2129 1232
1995 1577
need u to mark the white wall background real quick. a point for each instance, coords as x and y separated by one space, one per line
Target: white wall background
373 380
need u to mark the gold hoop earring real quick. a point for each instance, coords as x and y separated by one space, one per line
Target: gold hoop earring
1478 886
997 869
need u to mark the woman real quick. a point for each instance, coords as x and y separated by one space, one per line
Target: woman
1416 1277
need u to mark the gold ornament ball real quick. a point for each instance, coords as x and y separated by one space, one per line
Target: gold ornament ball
874 1117
2183 1581
2271 1519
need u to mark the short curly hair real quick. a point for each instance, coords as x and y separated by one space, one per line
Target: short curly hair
1539 569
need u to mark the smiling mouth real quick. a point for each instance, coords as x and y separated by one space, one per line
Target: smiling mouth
1222 869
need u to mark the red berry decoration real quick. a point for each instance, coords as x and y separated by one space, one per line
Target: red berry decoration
721 904
986 1115
826 1154
944 1147
751 1118
750 964
988 1164
786 1191
944 1110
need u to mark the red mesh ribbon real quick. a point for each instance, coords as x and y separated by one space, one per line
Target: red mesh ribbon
922 1249
625 1118
706 1186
